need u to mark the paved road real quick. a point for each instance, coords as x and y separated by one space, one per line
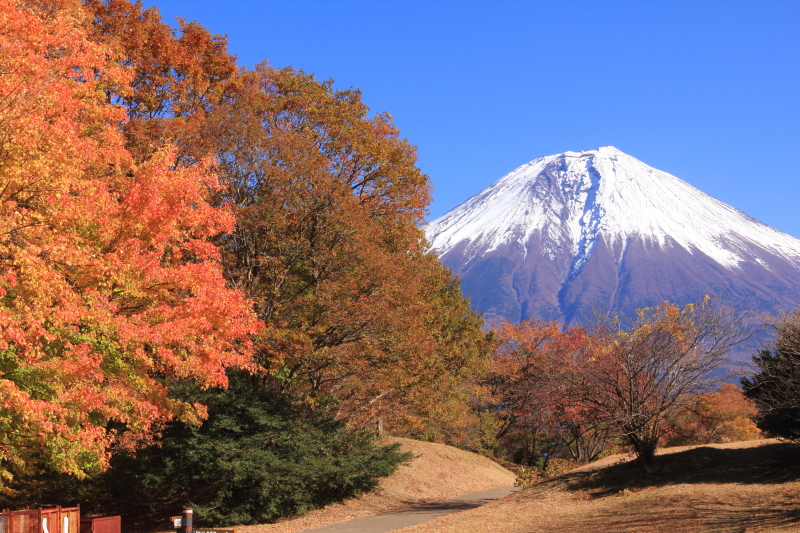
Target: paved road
385 522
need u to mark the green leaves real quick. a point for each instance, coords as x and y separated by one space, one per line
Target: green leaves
775 387
256 458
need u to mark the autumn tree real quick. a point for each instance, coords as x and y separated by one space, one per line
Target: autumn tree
328 244
724 415
112 283
636 376
177 76
532 378
775 387
329 204
108 279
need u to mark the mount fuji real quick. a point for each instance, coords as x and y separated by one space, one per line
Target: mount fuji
571 233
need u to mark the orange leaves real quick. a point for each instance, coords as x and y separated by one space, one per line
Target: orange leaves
639 375
536 384
328 203
107 277
629 379
173 75
533 344
533 375
722 416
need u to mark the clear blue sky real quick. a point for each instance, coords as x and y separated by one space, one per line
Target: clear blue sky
706 90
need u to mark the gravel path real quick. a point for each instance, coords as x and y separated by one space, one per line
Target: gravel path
391 521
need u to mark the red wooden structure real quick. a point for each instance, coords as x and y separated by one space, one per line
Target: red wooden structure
50 520
103 524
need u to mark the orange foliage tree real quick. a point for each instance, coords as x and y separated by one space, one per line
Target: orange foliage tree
722 416
635 377
533 378
108 280
329 204
177 76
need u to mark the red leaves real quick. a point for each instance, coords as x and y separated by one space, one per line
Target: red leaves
107 277
629 379
535 381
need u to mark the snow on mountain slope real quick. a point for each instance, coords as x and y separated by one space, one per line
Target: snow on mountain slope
604 191
539 228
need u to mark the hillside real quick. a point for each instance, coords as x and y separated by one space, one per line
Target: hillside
744 486
436 472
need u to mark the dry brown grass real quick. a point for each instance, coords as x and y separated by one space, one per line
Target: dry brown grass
737 487
437 472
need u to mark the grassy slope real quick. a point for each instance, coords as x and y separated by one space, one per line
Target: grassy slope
753 486
437 472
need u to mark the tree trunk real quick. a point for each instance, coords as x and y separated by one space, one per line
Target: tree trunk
645 450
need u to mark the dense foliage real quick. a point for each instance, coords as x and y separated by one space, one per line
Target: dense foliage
255 459
328 245
167 216
107 275
534 380
776 385
725 415
564 391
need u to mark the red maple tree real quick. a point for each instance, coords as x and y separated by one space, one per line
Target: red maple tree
108 280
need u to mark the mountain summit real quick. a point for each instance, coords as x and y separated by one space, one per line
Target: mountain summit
599 229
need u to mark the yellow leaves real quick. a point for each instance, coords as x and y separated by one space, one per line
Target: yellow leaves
676 323
89 310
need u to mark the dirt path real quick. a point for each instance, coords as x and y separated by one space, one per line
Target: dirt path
437 472
385 522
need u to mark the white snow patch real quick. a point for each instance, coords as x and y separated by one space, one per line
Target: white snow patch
573 198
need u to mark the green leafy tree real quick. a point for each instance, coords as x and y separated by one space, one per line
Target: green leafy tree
776 386
259 456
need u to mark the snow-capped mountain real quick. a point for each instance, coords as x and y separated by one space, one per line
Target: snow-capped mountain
569 233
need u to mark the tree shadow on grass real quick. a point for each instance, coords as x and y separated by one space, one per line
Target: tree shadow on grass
743 492
688 515
769 464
